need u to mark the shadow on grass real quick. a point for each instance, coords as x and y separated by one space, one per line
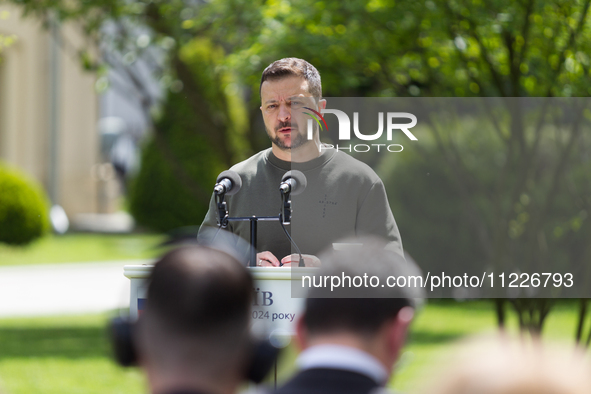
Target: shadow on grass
64 342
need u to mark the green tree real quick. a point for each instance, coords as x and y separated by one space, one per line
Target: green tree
507 49
185 46
504 212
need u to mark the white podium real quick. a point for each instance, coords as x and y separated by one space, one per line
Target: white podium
273 309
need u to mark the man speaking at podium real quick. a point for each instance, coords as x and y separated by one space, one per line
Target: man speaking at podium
344 197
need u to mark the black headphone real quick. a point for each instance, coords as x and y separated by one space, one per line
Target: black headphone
121 331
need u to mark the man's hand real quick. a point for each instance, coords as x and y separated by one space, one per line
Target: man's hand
293 260
267 259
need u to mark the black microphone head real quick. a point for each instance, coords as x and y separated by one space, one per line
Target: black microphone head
301 181
234 177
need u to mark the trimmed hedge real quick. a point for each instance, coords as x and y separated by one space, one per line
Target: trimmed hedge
178 171
24 213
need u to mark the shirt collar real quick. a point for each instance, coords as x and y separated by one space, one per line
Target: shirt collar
326 155
343 357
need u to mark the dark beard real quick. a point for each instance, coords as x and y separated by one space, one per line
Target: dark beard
297 139
296 142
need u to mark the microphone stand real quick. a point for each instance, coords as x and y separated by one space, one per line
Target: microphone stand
253 231
222 207
283 218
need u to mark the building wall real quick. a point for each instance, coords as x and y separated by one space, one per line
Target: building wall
25 112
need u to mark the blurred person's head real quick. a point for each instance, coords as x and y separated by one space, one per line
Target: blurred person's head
371 319
290 90
194 332
503 366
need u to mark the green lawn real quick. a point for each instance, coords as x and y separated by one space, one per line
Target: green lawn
61 355
442 323
434 330
78 247
71 355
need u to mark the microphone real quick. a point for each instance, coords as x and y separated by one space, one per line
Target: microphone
293 182
228 182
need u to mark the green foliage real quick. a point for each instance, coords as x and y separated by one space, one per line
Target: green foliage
201 133
220 98
178 171
23 208
516 200
429 211
5 40
507 48
431 48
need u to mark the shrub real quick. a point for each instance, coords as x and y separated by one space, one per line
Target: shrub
178 172
23 208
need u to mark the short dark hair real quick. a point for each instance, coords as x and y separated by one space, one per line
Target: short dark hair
359 310
292 66
198 310
363 316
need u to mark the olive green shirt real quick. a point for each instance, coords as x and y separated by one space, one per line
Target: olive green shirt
344 198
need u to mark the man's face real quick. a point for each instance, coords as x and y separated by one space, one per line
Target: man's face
283 101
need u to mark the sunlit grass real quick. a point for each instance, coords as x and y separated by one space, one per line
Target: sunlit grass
61 355
82 247
72 355
439 327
